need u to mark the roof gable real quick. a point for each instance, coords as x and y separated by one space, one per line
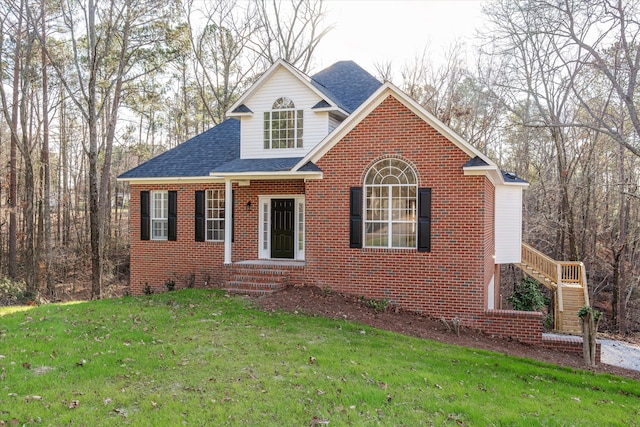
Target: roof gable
239 107
342 86
384 91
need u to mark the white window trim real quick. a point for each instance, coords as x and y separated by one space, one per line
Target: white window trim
208 220
297 115
154 219
390 221
264 225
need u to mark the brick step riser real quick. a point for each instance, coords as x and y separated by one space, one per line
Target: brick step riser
261 270
253 285
253 278
254 292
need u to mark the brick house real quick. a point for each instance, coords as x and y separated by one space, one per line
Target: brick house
338 181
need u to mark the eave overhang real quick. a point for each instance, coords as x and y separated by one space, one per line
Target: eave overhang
493 173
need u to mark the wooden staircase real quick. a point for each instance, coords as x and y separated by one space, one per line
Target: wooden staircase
567 280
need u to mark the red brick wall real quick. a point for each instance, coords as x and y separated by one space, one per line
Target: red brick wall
155 262
523 326
447 282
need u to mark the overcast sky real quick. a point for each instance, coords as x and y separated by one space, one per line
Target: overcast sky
376 31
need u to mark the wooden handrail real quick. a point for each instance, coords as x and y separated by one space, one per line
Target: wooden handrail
540 262
584 286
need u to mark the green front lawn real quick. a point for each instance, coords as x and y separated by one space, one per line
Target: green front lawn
196 357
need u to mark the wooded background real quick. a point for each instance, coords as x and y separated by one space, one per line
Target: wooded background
92 88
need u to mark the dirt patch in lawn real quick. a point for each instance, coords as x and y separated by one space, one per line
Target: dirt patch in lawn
314 301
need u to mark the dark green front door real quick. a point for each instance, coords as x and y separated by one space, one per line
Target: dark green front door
282 228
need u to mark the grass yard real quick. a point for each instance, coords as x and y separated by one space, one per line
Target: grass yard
197 357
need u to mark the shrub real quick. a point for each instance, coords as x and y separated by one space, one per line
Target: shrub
527 296
14 292
376 305
147 289
170 285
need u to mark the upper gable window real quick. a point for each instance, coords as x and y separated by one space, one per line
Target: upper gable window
283 125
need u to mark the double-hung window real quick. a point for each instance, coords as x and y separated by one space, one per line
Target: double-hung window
159 215
215 215
283 125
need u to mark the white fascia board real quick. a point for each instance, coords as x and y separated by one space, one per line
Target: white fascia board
267 74
491 171
494 174
266 175
384 91
517 184
330 110
173 180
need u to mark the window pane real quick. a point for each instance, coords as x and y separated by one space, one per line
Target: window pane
376 234
215 215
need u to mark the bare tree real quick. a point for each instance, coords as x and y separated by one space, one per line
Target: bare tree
10 112
290 30
607 33
117 35
220 46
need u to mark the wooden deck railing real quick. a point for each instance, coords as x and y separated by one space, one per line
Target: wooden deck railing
556 275
541 263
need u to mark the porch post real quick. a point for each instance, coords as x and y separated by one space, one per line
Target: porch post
228 219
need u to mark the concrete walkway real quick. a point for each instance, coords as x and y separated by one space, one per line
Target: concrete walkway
612 352
620 353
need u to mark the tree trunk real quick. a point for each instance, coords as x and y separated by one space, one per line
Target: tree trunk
589 320
95 230
46 211
13 176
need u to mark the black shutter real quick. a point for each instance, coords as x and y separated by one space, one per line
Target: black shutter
200 232
145 221
173 215
424 220
355 218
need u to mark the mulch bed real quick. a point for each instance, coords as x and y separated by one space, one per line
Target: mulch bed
314 301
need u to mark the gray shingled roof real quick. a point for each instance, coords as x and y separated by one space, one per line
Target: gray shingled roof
195 157
512 177
346 83
218 149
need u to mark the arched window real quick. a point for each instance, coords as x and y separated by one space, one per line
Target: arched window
283 125
390 205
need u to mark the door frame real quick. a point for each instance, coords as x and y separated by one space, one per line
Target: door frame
264 225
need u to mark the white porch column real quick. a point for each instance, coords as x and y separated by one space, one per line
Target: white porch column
228 219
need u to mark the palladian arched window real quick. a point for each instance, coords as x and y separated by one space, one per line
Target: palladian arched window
390 192
283 125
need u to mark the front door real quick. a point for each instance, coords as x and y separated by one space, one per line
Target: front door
282 228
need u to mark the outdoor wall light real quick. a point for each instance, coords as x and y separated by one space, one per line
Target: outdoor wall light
248 206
